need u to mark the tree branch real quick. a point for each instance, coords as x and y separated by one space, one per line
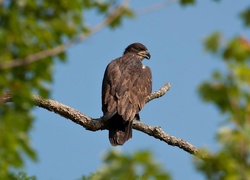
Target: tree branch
98 124
159 93
158 133
61 48
155 7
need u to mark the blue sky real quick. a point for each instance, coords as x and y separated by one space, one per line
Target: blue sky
174 37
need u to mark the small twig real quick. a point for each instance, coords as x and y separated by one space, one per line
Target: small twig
155 7
158 93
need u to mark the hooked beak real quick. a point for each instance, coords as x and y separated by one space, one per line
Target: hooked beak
145 54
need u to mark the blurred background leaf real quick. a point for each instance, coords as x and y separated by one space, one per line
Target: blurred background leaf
139 165
230 92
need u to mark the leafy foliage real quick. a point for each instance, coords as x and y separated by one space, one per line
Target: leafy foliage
139 165
230 92
28 27
231 89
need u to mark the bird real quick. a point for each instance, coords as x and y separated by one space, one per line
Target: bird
125 86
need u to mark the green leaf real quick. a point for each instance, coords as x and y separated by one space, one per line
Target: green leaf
187 2
139 165
245 15
212 43
238 49
216 93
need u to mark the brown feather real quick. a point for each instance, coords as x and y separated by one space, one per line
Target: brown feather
126 84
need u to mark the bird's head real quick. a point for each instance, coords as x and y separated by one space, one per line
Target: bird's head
139 50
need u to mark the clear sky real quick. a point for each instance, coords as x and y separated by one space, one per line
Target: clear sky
174 37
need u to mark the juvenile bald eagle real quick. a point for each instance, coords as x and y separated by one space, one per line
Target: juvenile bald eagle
126 84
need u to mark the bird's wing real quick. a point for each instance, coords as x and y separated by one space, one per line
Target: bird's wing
110 78
144 85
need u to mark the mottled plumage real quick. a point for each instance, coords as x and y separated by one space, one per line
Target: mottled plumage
126 84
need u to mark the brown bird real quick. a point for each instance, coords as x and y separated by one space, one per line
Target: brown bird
126 84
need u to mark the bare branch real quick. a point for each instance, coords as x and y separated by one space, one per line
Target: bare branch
110 18
61 48
158 133
155 7
36 57
158 93
97 124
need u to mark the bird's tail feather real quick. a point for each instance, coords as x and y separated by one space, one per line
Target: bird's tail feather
119 130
